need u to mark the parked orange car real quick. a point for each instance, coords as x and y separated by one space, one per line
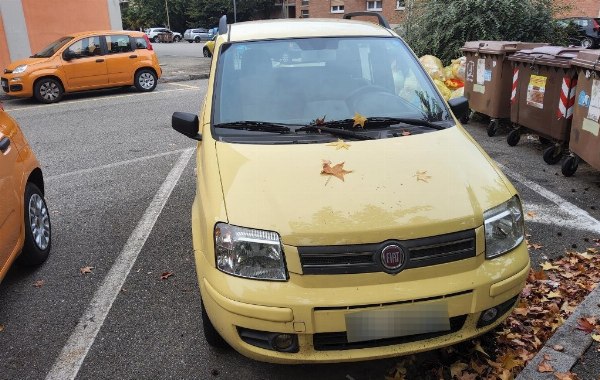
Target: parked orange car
25 233
84 61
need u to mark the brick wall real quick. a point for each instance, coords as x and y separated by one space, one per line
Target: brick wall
589 8
322 9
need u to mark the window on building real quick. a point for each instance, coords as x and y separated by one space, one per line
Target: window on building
337 9
374 5
304 13
400 4
118 44
304 2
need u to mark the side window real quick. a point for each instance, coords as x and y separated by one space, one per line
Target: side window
86 47
140 43
118 43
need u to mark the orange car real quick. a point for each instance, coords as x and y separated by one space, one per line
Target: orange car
24 219
84 61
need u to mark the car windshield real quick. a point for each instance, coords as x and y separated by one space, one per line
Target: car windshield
51 49
298 81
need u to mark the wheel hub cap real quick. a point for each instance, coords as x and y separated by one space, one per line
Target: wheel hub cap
39 222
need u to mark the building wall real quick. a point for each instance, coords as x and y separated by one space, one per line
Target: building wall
322 8
589 8
30 25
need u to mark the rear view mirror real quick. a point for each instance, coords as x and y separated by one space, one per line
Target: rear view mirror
186 124
459 107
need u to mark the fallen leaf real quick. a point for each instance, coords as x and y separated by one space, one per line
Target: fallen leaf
359 120
565 376
39 283
536 246
336 171
558 347
509 361
468 376
531 214
1 327
457 368
506 375
548 357
480 349
340 144
545 367
554 295
548 265
166 275
596 337
585 325
422 176
85 270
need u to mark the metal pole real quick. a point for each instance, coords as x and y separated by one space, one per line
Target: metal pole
234 13
282 8
168 20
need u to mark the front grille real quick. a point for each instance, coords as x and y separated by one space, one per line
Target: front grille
365 258
339 341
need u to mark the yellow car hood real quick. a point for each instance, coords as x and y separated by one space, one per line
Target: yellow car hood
398 188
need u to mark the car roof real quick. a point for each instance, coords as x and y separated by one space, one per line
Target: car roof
133 33
299 28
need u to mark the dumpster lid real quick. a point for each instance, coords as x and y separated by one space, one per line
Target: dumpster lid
555 56
498 47
589 59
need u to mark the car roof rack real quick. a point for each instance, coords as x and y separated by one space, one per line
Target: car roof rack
223 25
382 21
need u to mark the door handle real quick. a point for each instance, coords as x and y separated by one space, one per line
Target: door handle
4 144
133 56
99 60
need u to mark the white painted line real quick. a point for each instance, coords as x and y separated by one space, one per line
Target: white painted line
71 358
113 165
585 220
553 215
184 85
96 99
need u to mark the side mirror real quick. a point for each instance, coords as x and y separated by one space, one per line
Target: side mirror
187 124
460 107
68 55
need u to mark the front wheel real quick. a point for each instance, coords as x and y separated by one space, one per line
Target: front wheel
212 336
569 167
552 154
48 90
197 40
37 228
145 80
206 52
587 43
513 137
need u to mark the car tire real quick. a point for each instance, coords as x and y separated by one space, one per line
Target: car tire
212 336
38 231
206 52
156 40
176 38
145 80
587 43
197 40
190 41
48 90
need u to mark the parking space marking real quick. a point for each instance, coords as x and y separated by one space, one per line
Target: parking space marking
113 165
65 103
71 358
184 85
583 219
553 215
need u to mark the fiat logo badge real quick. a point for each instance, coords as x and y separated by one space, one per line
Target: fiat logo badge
392 257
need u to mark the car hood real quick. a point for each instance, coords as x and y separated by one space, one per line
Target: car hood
26 61
398 188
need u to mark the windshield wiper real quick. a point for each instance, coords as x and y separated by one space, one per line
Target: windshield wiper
336 131
379 121
262 126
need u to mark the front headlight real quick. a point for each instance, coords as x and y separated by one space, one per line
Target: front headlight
504 229
20 69
249 253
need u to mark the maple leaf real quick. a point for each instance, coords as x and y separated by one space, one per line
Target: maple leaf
336 170
531 214
39 283
359 120
340 144
548 266
558 347
545 367
457 369
422 176
585 325
320 121
1 327
565 376
595 337
166 275
536 246
85 270
509 361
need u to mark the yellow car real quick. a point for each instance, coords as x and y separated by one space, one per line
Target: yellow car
25 233
342 213
209 47
84 61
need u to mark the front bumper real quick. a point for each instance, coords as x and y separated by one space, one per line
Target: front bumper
316 314
17 84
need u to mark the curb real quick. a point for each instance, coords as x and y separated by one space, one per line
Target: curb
575 342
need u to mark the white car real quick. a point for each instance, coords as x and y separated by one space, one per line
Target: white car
153 32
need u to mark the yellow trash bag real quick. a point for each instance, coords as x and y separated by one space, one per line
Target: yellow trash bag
433 66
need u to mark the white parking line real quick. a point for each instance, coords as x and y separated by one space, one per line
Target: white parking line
184 85
113 165
96 99
71 358
582 218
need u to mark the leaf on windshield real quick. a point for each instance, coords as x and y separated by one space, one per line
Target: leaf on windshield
359 120
422 176
405 133
320 121
336 170
340 144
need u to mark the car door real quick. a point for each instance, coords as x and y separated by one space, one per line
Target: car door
11 216
84 64
121 59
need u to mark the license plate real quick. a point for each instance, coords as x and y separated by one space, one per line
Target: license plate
399 321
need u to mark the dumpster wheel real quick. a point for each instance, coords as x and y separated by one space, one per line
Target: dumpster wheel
569 167
552 154
513 137
493 127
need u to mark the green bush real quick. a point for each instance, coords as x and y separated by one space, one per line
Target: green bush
441 27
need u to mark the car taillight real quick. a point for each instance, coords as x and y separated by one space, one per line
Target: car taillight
596 25
148 44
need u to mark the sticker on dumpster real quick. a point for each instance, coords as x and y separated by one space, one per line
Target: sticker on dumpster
470 68
481 71
479 88
487 75
584 99
591 127
594 110
536 91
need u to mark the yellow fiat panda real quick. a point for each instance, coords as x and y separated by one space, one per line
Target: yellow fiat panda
342 212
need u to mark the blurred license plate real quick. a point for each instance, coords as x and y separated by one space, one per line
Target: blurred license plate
403 320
